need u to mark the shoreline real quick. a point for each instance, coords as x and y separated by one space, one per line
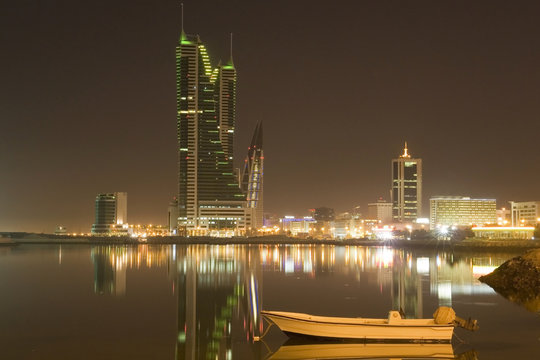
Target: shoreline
14 239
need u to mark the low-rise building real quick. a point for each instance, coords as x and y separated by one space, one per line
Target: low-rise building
297 226
525 213
381 210
504 217
60 230
149 230
347 226
504 232
461 211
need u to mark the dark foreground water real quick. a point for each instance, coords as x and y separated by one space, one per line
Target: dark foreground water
203 302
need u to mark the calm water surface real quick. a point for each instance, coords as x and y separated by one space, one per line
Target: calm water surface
204 302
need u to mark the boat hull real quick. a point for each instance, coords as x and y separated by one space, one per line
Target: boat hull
360 328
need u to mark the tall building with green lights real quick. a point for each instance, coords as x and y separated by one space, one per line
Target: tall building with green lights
210 201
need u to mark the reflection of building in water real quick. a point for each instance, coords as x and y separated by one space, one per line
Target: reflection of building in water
223 281
111 263
406 286
450 277
403 272
296 259
109 276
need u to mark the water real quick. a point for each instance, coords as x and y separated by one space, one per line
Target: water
203 302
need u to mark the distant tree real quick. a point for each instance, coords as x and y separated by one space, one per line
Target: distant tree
461 234
421 234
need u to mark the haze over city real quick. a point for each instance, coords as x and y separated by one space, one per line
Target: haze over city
88 101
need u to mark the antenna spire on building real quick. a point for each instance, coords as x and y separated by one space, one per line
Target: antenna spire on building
182 34
231 57
405 152
182 12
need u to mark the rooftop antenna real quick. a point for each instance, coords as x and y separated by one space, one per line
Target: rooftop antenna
182 33
182 12
405 151
231 58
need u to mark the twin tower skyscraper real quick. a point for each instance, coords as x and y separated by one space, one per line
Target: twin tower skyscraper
214 198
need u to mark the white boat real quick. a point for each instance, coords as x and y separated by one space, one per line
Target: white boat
363 351
394 328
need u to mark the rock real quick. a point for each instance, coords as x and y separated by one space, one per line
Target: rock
518 280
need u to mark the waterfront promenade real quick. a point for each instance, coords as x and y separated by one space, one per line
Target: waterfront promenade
472 243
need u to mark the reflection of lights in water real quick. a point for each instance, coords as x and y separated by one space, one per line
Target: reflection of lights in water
307 267
384 257
422 265
254 300
289 266
479 270
444 291
384 233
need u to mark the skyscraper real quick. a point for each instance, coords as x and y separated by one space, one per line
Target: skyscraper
252 177
210 201
406 188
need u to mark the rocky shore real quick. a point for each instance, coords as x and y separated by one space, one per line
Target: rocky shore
518 280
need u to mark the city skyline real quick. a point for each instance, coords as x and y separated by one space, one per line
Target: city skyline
97 113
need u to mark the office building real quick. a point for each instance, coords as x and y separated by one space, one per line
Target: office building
504 217
172 216
525 213
461 211
381 210
504 232
252 177
406 188
347 226
297 226
210 201
110 214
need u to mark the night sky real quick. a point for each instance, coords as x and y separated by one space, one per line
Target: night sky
87 101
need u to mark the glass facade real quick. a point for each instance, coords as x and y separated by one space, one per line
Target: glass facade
252 176
110 214
406 188
205 98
